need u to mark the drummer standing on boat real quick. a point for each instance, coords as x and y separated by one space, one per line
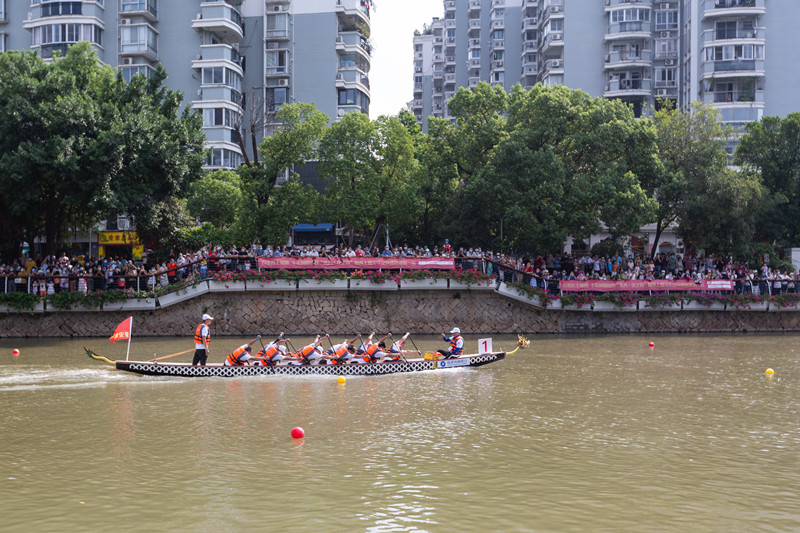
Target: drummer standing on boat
456 344
202 338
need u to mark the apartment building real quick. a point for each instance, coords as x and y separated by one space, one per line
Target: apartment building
639 51
219 53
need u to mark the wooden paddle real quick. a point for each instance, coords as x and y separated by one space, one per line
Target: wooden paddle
170 355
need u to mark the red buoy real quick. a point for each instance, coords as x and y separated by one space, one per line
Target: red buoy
652 344
15 351
298 433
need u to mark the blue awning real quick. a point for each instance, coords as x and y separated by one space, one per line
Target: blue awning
299 228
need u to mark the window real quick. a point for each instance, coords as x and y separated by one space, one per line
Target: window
219 116
277 26
354 97
2 42
54 9
276 96
138 5
67 34
129 72
666 20
276 62
450 33
497 34
475 53
138 39
665 77
726 30
222 76
222 157
630 15
498 77
497 56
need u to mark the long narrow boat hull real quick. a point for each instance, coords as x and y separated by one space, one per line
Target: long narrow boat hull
392 367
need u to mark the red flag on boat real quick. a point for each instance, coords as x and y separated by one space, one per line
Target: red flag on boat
123 331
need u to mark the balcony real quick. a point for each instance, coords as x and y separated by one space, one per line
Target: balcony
139 7
626 60
498 44
354 8
276 34
497 65
552 39
735 97
473 81
353 79
530 23
499 24
220 18
733 68
553 65
218 52
474 5
731 8
450 5
474 27
473 44
631 3
617 87
628 30
449 60
353 42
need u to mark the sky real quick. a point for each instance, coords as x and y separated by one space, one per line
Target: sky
391 76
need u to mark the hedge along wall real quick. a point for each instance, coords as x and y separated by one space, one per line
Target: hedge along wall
419 311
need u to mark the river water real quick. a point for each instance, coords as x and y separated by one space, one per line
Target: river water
573 434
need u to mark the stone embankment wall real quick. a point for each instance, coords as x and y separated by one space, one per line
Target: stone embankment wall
421 312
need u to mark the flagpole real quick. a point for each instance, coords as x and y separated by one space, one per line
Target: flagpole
130 332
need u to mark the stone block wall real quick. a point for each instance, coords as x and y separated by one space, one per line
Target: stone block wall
421 312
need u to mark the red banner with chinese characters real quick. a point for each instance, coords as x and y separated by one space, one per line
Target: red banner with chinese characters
569 285
356 263
123 331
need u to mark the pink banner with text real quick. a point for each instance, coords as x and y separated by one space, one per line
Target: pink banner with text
356 263
644 285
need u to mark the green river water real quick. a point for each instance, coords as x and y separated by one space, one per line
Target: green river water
574 434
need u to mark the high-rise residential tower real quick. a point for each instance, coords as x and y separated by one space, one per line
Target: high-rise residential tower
733 54
219 53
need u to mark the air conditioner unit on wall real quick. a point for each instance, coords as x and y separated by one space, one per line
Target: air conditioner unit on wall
664 34
664 7
283 82
277 8
127 61
125 22
669 62
272 46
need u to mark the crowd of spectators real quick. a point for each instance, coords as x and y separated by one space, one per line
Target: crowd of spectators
49 275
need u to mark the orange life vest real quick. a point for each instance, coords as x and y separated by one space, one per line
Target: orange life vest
454 349
303 353
369 353
338 354
267 352
198 338
234 359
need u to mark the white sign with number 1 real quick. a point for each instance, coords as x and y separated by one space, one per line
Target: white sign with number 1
484 345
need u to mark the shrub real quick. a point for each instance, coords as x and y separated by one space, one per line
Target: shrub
660 300
577 298
21 301
619 299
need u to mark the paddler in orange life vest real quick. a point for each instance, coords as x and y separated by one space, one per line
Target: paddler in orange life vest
397 350
202 338
456 344
339 354
272 352
309 354
242 354
370 352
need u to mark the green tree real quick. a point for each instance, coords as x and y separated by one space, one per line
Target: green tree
76 142
369 166
216 198
694 187
565 165
770 149
297 130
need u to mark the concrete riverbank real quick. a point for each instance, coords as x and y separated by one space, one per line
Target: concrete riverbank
309 312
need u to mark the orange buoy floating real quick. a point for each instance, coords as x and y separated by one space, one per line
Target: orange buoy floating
769 371
298 433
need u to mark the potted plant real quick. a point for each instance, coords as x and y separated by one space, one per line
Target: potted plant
373 280
423 279
747 301
616 301
227 281
320 279
786 301
577 301
704 301
661 301
472 280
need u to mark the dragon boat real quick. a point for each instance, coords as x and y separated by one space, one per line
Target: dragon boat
156 368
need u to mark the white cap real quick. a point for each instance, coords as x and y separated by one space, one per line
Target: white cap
282 348
455 330
207 317
319 349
